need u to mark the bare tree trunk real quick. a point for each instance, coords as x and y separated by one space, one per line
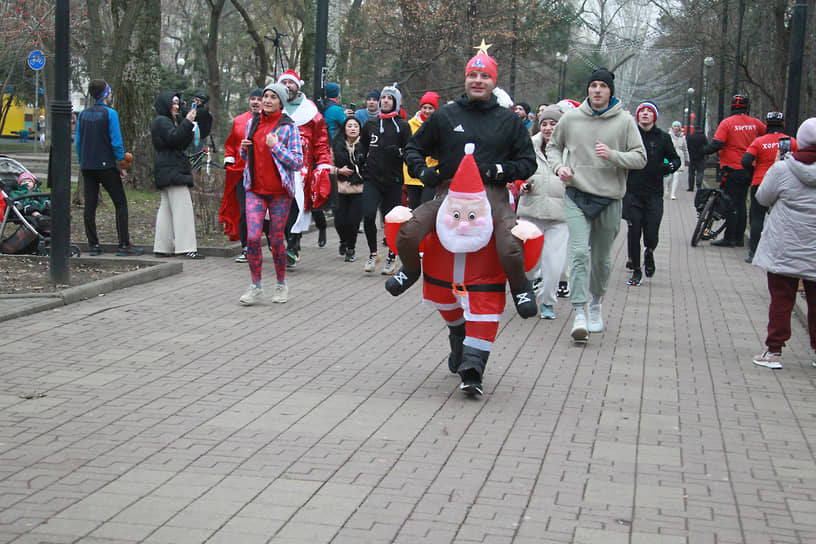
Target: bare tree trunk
261 56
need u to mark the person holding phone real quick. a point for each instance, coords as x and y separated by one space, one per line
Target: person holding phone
787 250
758 158
541 201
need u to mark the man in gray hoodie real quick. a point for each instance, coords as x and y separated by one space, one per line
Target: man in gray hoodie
592 149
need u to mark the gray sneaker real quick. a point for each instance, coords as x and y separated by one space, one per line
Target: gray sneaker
281 293
252 295
390 265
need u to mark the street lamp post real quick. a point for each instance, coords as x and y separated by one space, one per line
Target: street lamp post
59 165
708 62
562 76
690 95
180 62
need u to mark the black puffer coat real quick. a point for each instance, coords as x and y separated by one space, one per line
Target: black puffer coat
170 139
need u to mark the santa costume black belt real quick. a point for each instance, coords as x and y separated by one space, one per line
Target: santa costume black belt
462 289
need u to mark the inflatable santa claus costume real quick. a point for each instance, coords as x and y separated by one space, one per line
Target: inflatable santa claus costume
462 277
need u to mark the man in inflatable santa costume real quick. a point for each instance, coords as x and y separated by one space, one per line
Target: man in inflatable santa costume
462 276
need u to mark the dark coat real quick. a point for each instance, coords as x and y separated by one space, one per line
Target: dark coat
659 149
171 165
500 138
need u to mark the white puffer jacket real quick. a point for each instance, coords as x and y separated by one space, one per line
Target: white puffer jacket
788 243
546 198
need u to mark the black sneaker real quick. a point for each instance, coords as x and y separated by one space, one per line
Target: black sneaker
349 258
129 251
242 258
321 238
563 290
93 251
291 259
648 263
636 278
195 255
342 249
471 382
162 255
525 301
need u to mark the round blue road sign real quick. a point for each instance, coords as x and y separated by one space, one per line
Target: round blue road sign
36 60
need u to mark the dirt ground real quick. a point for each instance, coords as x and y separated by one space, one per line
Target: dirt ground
31 275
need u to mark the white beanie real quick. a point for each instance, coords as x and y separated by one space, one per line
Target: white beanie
806 135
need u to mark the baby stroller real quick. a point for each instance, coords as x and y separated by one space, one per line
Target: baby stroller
32 234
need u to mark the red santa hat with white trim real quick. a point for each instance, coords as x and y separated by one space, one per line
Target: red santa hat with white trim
291 75
467 181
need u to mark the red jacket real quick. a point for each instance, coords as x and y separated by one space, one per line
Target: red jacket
737 131
764 150
230 213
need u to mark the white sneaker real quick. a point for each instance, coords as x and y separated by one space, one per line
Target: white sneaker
390 264
251 296
579 327
371 263
595 322
673 197
281 293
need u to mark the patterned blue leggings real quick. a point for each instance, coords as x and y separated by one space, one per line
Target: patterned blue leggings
256 206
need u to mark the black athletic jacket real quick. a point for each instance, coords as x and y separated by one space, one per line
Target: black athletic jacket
499 135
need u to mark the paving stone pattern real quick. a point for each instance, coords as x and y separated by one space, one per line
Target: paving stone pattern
172 414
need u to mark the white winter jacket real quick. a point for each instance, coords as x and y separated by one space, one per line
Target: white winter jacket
788 243
546 197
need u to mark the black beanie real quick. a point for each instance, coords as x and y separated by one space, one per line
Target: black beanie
256 92
602 74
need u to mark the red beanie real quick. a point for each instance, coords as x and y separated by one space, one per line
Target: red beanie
430 98
483 63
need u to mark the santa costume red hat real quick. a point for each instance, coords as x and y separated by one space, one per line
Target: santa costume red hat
291 75
467 181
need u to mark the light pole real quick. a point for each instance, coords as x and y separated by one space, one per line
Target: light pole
708 62
180 62
690 95
562 76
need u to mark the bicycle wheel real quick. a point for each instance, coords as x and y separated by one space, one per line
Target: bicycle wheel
704 220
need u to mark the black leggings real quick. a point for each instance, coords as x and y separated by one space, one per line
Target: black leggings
382 195
112 182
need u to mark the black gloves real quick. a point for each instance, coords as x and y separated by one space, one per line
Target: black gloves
430 177
493 174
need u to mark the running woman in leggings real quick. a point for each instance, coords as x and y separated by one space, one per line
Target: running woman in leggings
273 154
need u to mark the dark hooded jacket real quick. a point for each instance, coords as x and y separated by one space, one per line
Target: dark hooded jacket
170 139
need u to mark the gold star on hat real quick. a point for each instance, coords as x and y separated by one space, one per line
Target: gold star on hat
483 47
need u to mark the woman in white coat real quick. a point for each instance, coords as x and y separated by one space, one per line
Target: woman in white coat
787 249
541 201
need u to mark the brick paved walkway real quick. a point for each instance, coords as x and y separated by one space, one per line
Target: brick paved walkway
173 415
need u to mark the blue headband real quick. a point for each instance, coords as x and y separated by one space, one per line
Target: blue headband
106 93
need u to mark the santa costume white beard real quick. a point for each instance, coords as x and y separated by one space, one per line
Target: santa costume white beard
462 235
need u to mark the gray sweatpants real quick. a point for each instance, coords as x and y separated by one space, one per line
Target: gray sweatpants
590 246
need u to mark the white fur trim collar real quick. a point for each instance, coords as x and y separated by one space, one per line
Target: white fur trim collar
304 113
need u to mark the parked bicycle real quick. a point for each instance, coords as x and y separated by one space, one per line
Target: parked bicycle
712 206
